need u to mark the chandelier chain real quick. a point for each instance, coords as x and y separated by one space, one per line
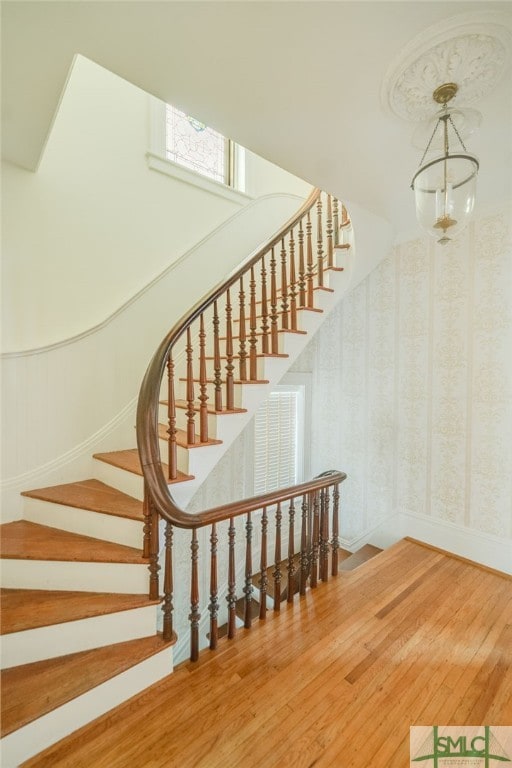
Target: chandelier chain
429 143
457 133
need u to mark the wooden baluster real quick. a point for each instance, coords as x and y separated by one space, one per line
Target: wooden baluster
214 600
195 614
335 222
168 585
316 542
344 216
253 339
203 394
154 566
171 414
248 588
277 575
231 596
274 336
319 240
291 548
284 288
310 265
217 375
328 231
293 285
263 565
324 536
304 559
146 530
302 268
242 335
191 414
230 396
335 542
264 309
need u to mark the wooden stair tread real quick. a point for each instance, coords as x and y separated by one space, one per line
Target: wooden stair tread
22 540
181 438
342 246
259 333
235 381
129 460
183 405
92 495
24 609
33 690
260 355
359 557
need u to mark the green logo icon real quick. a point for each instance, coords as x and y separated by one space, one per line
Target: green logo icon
483 746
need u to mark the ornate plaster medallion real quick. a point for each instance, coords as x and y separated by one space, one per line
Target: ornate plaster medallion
473 51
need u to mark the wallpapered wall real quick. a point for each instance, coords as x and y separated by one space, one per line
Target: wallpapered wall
415 405
412 385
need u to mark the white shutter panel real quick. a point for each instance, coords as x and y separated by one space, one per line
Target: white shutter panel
278 440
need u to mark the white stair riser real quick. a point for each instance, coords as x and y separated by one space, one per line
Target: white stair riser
127 482
119 530
40 734
182 419
127 578
80 635
181 393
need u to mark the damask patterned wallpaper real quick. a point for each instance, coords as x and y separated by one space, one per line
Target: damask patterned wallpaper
413 382
412 389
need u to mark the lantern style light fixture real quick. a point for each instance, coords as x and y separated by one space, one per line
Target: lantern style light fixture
444 187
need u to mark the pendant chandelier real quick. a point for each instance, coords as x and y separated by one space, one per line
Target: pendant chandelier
444 187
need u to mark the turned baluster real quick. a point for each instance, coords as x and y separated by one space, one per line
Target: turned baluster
253 339
248 588
146 530
168 607
263 584
191 414
217 370
328 231
304 558
335 543
264 309
324 535
274 335
293 285
344 216
230 395
284 288
171 415
302 268
154 547
203 395
195 615
335 222
316 542
310 265
277 575
319 241
214 600
242 354
291 547
231 596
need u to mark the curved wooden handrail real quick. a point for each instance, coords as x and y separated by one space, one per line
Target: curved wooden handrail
147 409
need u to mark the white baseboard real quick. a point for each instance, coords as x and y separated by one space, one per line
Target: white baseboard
484 548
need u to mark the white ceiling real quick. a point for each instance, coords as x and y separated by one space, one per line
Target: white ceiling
297 82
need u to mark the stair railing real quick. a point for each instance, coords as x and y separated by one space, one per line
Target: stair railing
216 347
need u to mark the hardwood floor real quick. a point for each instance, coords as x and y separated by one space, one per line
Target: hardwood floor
413 637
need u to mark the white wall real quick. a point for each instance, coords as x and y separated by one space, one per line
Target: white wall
94 225
412 392
101 256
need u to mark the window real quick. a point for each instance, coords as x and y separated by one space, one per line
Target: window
280 438
194 145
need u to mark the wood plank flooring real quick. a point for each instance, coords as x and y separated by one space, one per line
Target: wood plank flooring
411 637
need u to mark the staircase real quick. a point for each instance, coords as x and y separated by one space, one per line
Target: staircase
79 632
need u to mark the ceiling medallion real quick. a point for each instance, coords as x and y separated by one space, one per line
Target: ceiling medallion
473 53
